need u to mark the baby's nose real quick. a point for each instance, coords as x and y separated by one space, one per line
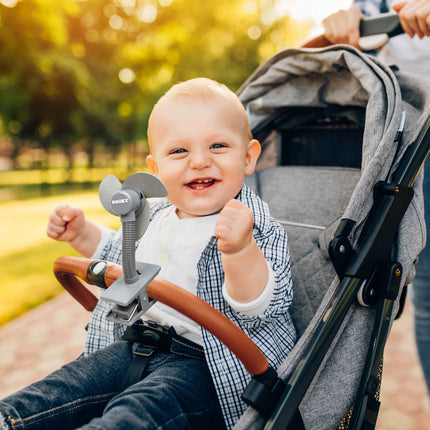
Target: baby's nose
199 160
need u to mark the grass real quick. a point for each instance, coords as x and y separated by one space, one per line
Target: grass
27 278
27 254
27 184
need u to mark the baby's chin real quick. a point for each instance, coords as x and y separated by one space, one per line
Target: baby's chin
187 213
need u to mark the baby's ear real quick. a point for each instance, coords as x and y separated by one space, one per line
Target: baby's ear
152 164
252 154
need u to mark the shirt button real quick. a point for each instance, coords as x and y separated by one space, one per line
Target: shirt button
162 256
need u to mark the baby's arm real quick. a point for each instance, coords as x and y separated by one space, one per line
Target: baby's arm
245 267
68 224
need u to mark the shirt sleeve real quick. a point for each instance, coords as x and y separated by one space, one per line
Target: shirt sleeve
274 245
107 235
102 332
256 306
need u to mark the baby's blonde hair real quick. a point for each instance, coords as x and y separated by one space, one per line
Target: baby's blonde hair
203 89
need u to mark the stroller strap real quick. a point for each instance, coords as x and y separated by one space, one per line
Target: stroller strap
148 338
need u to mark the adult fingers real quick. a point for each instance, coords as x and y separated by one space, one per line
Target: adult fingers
415 17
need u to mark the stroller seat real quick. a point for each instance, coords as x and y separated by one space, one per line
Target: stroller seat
297 198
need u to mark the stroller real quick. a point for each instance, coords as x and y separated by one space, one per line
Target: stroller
344 138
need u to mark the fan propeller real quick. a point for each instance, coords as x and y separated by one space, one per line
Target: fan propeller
128 200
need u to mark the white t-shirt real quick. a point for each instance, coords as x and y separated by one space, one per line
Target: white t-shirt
176 245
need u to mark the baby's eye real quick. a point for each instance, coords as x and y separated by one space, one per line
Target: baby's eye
218 145
178 151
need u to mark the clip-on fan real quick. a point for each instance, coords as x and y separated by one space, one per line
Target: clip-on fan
128 201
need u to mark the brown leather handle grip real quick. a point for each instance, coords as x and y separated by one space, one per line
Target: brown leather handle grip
68 269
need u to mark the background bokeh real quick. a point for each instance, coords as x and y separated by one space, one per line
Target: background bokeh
78 79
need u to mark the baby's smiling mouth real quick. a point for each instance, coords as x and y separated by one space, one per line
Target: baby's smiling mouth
201 184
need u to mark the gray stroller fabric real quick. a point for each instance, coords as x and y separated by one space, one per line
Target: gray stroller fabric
311 200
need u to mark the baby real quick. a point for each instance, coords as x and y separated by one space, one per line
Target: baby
212 236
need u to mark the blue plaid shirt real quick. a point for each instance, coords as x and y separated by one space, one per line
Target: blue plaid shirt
273 331
372 7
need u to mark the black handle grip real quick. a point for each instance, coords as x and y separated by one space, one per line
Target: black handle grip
388 23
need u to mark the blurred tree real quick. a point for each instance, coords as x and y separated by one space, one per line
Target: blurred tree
91 70
38 80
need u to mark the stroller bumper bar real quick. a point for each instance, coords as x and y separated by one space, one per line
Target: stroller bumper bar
68 269
387 24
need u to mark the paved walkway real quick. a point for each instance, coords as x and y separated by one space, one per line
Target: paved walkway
53 334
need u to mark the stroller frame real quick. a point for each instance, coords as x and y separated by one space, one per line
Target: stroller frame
370 260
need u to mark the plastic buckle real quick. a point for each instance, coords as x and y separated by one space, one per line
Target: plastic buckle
143 350
156 334
153 325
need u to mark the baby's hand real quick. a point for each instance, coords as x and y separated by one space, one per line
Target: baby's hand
65 223
234 227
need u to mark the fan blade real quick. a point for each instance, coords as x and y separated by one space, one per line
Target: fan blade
107 188
142 220
149 184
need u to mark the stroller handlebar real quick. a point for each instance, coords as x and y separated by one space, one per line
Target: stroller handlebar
387 24
67 270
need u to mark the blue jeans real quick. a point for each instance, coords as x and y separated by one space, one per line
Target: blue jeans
421 289
176 392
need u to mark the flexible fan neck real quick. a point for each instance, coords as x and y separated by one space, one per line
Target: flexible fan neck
129 251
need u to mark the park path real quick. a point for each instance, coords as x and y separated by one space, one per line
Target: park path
52 334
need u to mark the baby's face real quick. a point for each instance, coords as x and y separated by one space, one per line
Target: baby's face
201 151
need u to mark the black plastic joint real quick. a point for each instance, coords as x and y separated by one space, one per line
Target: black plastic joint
387 188
340 248
394 274
264 391
96 274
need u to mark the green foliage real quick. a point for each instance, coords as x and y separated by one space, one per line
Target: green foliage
91 70
87 73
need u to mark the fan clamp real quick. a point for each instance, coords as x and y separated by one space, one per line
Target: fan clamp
127 294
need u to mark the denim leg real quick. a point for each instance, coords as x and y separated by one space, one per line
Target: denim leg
421 289
176 393
72 395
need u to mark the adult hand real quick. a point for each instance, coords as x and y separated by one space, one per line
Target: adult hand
343 26
414 17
